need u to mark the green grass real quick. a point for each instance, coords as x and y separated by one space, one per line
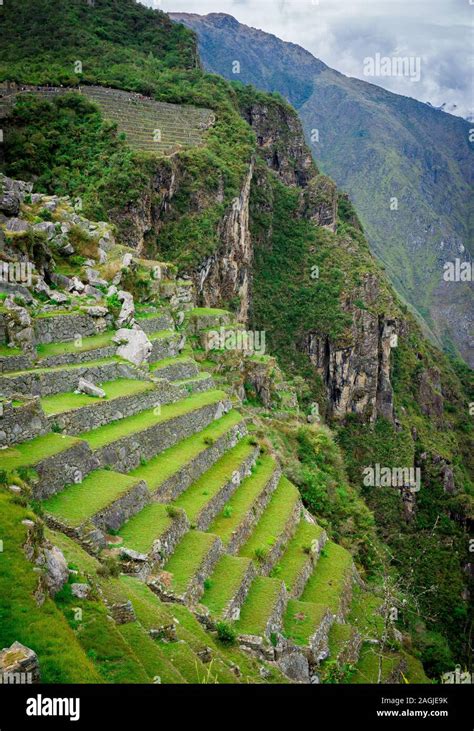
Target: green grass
196 497
47 350
205 311
151 612
258 606
364 614
5 351
36 450
61 402
367 668
151 656
68 367
77 503
164 335
339 636
73 553
243 499
224 582
167 463
295 556
326 584
302 619
273 520
187 558
143 529
109 433
44 629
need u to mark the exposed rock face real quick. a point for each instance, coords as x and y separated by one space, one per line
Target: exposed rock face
226 274
55 566
357 374
18 665
430 397
320 202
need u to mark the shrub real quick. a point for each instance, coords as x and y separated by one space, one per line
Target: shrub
226 633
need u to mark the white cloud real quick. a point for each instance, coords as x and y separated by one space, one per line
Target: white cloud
343 32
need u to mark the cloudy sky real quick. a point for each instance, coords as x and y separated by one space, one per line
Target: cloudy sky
344 32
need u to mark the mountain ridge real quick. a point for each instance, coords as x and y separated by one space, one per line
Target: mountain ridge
378 146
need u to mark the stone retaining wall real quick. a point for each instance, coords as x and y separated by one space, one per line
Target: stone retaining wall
21 423
192 470
100 412
232 610
195 588
64 328
318 642
155 324
58 381
9 363
77 357
280 544
308 568
243 531
125 454
64 468
275 621
122 509
164 348
217 502
178 371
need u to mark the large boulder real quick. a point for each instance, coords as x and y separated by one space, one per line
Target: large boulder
19 664
87 387
133 345
127 313
52 561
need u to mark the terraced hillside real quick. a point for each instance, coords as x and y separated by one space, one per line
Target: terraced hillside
175 519
149 126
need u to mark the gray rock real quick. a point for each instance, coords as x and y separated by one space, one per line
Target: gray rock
295 666
89 388
127 260
19 664
46 227
80 591
17 225
133 345
94 278
76 285
127 312
56 569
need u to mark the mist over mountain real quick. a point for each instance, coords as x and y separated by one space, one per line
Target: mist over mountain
406 165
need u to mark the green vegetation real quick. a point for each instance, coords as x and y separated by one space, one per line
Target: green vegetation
273 520
103 340
259 606
242 500
297 553
225 580
36 450
121 388
187 558
79 502
332 572
143 529
201 492
61 657
302 620
109 433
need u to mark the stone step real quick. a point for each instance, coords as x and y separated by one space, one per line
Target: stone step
126 443
165 344
75 413
175 369
49 381
56 327
307 624
102 502
156 322
331 581
80 350
199 383
301 554
275 527
202 318
261 614
150 537
228 586
173 470
184 574
56 460
243 511
207 496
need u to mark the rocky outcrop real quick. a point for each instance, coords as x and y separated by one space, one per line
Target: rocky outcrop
225 275
357 376
19 665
